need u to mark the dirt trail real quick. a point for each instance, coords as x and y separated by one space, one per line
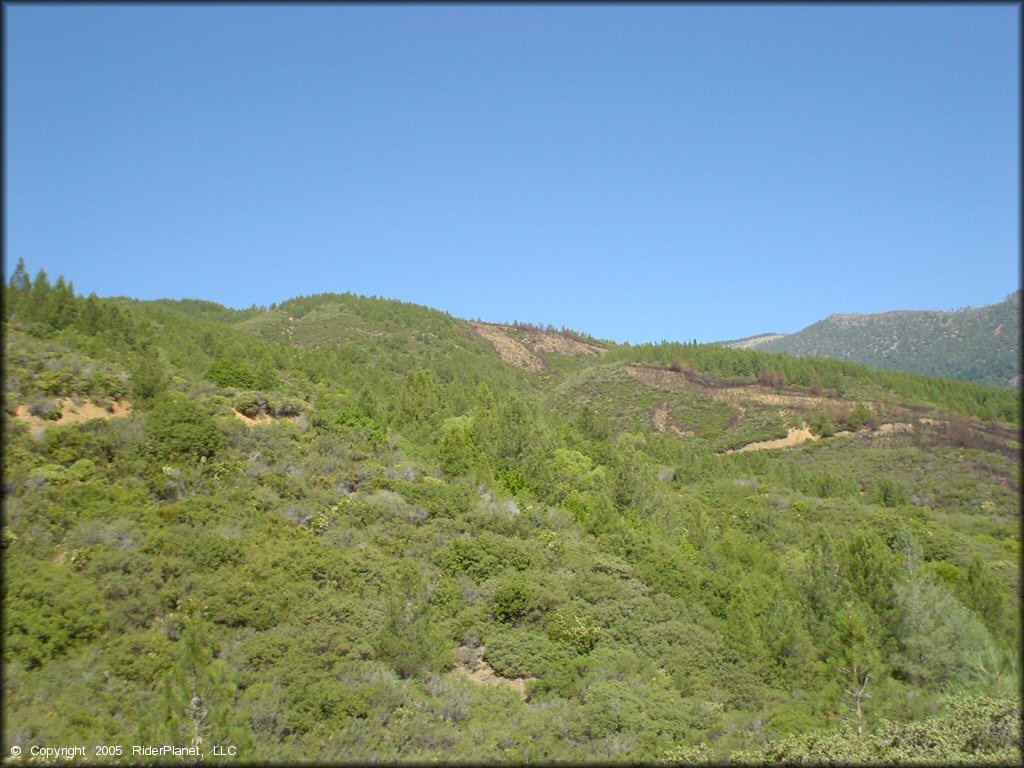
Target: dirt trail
675 381
470 662
663 423
796 436
897 428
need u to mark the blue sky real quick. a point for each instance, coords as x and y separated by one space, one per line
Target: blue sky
636 172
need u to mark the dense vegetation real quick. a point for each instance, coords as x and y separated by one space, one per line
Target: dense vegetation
324 527
980 345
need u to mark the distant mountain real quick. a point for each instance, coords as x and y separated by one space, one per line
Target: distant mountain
753 342
980 345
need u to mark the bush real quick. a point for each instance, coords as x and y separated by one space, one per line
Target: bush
887 492
517 599
48 609
485 556
972 730
225 373
456 448
44 408
820 424
287 408
250 404
180 428
516 652
578 632
357 426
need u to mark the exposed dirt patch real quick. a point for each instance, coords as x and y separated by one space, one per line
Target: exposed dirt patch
261 418
471 663
663 422
559 343
896 428
71 413
519 345
796 436
733 394
508 349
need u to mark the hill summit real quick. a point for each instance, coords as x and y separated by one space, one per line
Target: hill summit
980 345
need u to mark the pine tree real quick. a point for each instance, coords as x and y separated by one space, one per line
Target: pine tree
19 278
37 297
199 698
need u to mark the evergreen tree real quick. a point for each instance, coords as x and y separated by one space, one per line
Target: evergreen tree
199 698
20 281
37 298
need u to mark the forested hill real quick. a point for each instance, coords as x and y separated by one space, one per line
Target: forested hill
345 529
980 345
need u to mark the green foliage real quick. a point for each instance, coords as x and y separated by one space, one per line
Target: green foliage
354 425
820 424
229 373
576 631
408 641
517 600
941 642
456 448
485 556
971 730
302 587
199 698
983 592
48 609
180 428
519 652
148 379
887 492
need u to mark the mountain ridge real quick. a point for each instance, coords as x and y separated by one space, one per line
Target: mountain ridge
980 344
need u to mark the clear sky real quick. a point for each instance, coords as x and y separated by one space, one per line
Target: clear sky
636 172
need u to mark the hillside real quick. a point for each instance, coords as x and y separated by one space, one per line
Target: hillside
980 345
344 530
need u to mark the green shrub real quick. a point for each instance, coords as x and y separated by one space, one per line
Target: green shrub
578 632
227 373
887 492
250 404
518 599
358 427
517 652
82 469
180 428
485 556
48 609
972 730
53 474
820 424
